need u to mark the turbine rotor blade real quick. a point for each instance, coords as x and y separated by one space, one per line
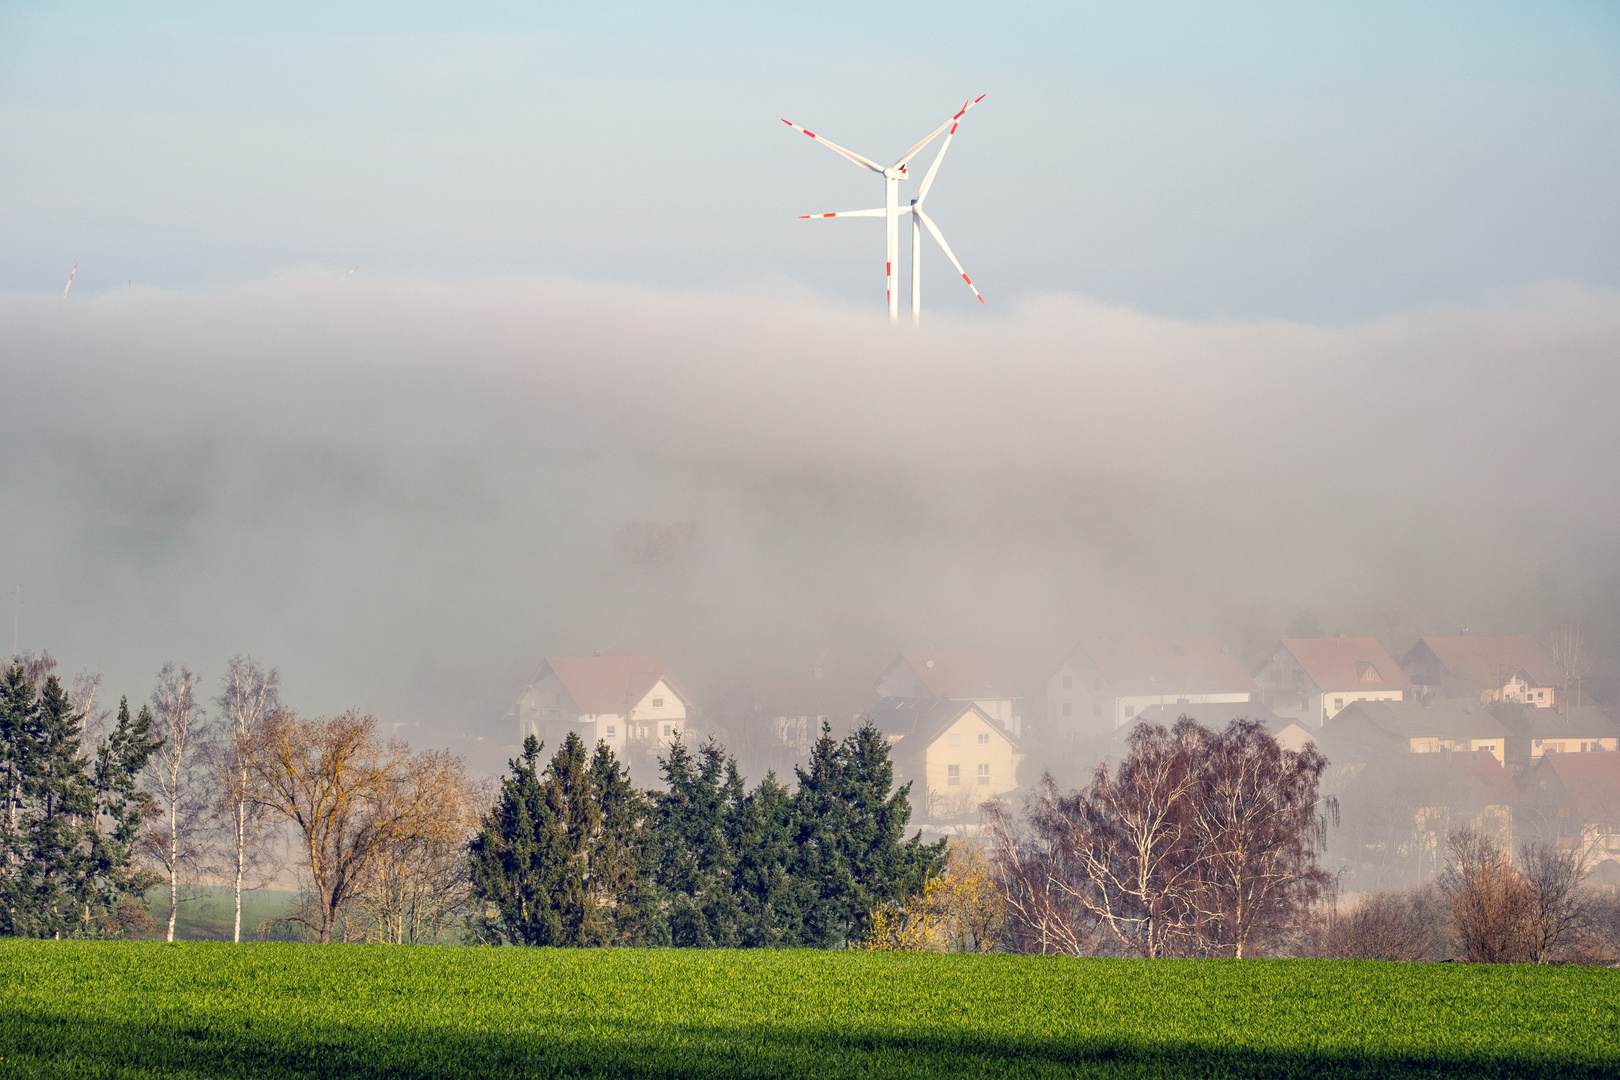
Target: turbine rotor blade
879 212
865 163
928 179
951 123
949 254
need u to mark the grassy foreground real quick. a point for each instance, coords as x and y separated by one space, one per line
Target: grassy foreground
280 1010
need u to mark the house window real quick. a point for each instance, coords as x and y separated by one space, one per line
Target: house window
984 738
953 739
953 775
1068 682
1541 695
1490 746
984 774
1338 703
669 729
658 703
612 731
1068 708
1130 710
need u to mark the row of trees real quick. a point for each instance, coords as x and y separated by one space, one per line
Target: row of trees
73 814
572 854
173 795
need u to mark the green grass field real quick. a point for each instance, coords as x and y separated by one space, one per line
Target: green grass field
282 1010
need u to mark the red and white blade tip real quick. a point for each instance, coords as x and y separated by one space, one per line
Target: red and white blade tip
972 286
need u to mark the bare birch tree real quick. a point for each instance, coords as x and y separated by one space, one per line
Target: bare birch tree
178 842
1198 843
250 695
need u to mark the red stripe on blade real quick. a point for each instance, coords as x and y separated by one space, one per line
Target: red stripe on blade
829 215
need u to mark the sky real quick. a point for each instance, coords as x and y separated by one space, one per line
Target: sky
1291 312
1323 162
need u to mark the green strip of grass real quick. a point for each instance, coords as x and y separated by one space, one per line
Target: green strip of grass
148 1010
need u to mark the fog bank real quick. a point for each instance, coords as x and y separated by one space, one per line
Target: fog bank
406 493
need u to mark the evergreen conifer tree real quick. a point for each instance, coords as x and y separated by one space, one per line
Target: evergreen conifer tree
851 823
698 821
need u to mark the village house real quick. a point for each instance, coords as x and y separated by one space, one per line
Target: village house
953 753
1216 715
1104 682
1565 729
953 675
1421 727
1397 811
1510 668
771 722
1577 800
1311 679
628 702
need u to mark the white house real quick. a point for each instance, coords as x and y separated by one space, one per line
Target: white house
1104 682
625 701
1312 679
953 675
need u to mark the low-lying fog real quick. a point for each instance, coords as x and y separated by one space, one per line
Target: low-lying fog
405 494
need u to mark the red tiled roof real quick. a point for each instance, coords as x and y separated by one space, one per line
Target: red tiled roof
1592 779
1347 663
1489 663
1168 666
957 675
610 684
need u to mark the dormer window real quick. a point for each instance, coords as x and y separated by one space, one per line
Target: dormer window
1366 672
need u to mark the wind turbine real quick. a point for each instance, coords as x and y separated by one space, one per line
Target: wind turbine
890 211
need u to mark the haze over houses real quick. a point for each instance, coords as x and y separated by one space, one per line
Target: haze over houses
1460 730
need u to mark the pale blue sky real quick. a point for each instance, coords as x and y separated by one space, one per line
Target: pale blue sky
1320 162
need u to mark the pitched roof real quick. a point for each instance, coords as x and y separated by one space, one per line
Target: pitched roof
924 717
805 695
1168 666
1447 718
610 684
1565 722
957 674
1346 663
1461 780
1215 714
1592 779
1489 663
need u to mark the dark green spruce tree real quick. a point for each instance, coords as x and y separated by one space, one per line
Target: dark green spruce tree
563 857
514 860
71 824
697 820
852 851
773 898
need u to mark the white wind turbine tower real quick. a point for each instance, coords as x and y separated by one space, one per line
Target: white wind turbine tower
890 210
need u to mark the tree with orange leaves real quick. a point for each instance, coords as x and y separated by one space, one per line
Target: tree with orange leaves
351 798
